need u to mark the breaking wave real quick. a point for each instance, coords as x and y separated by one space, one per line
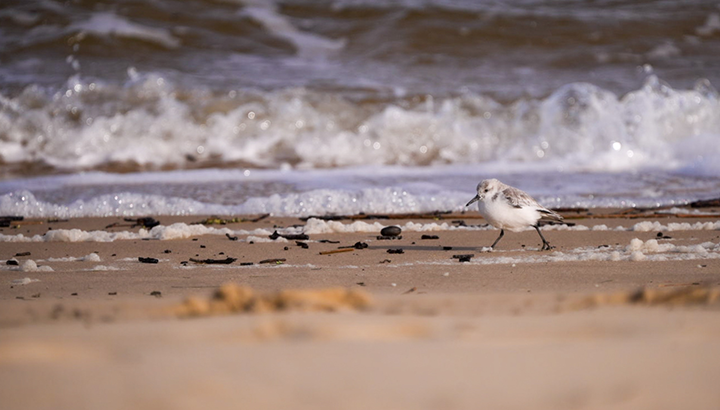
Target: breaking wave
149 123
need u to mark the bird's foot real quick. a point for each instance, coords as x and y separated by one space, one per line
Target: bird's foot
547 247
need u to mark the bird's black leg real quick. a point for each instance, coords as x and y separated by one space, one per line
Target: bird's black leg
546 245
502 232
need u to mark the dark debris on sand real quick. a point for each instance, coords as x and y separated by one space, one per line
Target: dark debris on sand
225 261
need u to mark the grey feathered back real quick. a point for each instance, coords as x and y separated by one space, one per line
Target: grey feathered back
520 199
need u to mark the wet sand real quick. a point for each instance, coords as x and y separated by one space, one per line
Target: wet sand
513 328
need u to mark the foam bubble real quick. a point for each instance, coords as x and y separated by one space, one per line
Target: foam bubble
32 266
93 257
637 256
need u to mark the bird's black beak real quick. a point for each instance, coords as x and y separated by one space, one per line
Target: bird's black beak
477 198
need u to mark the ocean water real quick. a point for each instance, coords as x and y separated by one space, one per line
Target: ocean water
305 107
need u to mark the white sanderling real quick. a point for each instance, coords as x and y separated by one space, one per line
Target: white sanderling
505 207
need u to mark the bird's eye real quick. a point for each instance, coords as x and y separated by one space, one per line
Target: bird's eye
486 190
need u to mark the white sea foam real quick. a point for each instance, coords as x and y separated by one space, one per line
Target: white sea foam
20 17
636 251
342 202
563 227
93 257
103 268
637 256
63 259
381 190
685 211
314 202
652 250
264 239
148 122
23 281
183 231
123 204
664 51
712 25
106 24
648 226
651 245
308 45
319 226
30 265
313 226
160 232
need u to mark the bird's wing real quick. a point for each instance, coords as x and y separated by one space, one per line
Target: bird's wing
548 214
520 199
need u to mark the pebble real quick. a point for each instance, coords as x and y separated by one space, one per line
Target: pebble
391 231
360 245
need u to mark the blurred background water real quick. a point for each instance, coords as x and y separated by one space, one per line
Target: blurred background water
346 106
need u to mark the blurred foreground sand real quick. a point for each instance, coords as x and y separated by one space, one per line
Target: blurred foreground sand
359 329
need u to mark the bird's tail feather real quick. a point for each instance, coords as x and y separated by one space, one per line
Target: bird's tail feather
548 214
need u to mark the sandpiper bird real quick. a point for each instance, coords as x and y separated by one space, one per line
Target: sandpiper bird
505 207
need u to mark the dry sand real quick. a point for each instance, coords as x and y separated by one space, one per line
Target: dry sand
514 329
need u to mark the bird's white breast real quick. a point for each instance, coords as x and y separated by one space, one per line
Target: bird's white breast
500 214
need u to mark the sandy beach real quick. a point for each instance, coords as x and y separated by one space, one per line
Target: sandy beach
618 315
161 162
